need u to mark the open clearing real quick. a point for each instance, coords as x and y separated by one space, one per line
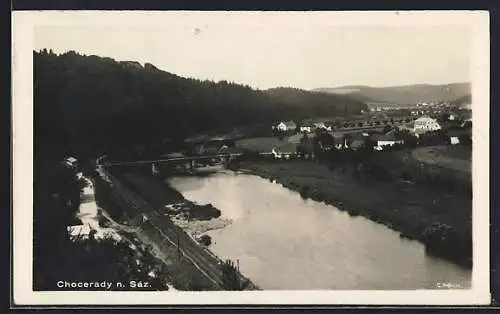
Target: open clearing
452 157
266 144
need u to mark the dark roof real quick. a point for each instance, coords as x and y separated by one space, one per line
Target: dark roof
290 123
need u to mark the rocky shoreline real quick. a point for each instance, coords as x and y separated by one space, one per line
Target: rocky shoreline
184 216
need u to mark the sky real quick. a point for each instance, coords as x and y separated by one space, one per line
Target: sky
265 53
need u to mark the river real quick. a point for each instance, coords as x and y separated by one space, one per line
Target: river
284 242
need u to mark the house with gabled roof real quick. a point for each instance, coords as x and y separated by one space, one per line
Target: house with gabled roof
387 139
286 126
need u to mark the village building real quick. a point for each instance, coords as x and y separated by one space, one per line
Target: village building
306 128
71 162
322 125
387 139
455 135
454 140
286 126
425 124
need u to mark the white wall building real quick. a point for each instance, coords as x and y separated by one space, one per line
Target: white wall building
71 162
454 140
286 126
424 124
306 129
321 125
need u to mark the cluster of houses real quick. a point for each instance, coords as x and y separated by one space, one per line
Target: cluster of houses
419 127
290 126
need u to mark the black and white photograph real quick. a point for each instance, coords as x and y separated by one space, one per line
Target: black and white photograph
251 157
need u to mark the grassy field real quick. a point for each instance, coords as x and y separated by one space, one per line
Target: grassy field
266 144
454 157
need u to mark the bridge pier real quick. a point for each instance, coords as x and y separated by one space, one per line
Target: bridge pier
191 167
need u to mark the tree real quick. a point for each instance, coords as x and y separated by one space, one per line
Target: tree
387 128
443 117
231 278
347 140
99 103
465 140
409 139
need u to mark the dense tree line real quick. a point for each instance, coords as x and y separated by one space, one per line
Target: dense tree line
96 103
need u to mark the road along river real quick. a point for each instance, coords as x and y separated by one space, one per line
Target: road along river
284 242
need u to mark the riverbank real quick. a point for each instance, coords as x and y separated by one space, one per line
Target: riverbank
195 219
413 210
171 227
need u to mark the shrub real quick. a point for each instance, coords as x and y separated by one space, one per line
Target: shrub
205 240
405 175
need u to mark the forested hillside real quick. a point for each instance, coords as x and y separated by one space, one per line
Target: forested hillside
98 103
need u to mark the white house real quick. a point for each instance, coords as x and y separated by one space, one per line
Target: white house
321 125
387 139
455 135
454 140
425 124
306 129
286 126
71 162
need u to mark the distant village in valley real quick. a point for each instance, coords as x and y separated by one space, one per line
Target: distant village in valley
386 126
382 127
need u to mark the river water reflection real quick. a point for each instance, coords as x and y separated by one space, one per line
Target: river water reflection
285 242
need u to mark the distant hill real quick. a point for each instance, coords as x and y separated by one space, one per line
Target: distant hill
322 102
407 94
96 101
463 101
